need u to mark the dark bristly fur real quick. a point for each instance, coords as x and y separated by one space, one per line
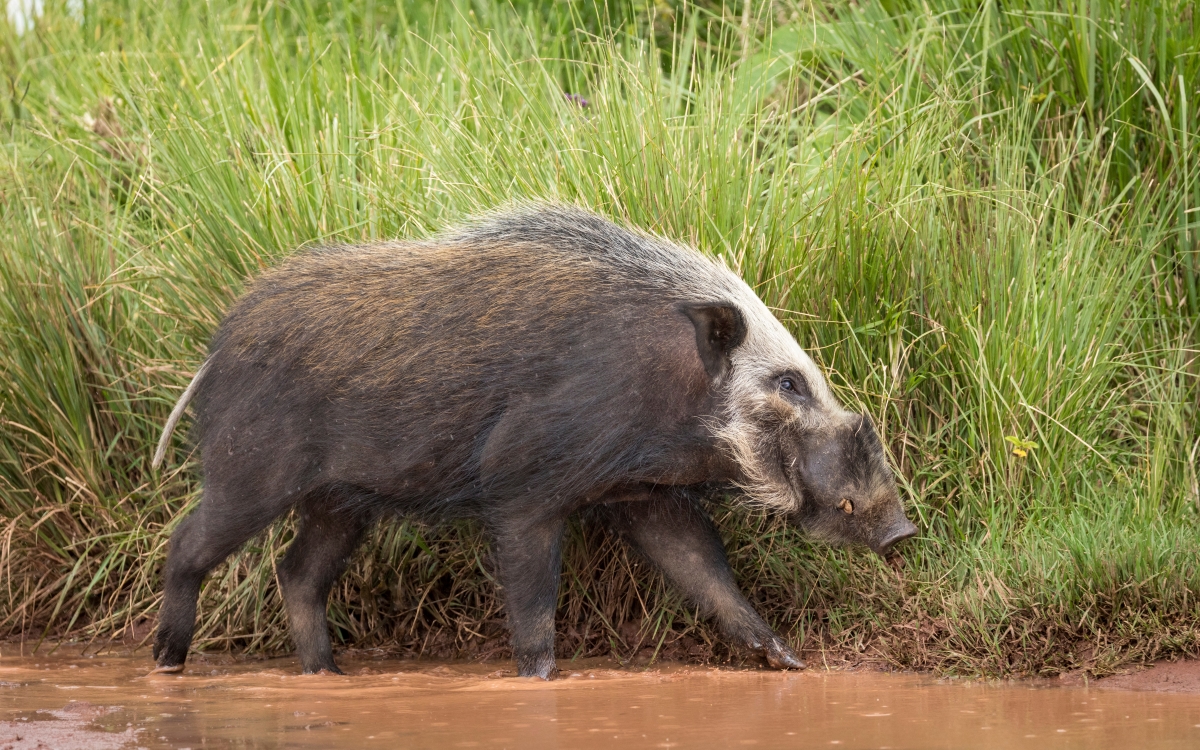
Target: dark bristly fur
539 362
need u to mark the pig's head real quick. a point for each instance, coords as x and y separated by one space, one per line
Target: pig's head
797 450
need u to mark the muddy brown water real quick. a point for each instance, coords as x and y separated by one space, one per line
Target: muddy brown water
108 701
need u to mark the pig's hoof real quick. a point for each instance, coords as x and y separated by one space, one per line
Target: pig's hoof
167 669
780 656
328 669
541 666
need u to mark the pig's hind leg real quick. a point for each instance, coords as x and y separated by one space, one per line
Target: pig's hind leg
528 560
329 533
678 537
214 531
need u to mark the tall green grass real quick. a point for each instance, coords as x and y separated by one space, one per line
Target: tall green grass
982 223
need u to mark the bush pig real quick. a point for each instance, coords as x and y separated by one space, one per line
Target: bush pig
538 362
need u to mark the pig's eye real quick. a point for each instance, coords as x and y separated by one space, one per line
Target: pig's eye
793 386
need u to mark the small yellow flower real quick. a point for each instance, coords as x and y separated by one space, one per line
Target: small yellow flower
1020 448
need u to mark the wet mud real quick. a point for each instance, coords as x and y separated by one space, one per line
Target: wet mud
1162 677
108 701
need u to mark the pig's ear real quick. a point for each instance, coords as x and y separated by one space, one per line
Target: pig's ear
720 328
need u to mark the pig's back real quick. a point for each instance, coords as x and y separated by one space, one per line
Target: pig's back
386 366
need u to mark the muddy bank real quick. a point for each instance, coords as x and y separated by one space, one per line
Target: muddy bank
1160 677
108 701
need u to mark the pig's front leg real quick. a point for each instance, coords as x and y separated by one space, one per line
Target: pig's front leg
675 534
529 558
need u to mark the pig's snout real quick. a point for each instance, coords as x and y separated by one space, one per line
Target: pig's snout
905 530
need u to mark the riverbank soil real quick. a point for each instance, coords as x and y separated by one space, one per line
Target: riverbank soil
109 701
1161 677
